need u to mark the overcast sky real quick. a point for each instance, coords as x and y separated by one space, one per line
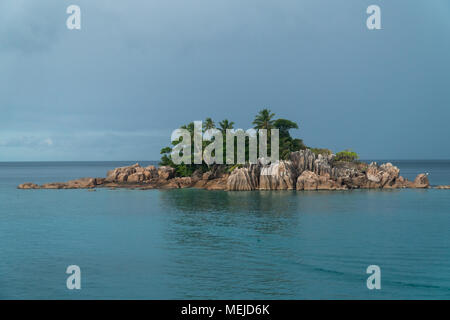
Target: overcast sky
137 70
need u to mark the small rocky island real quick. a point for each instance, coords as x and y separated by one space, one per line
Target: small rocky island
300 167
304 170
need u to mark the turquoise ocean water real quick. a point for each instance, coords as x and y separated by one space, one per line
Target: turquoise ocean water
191 244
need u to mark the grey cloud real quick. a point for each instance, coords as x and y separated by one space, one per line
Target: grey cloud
26 142
142 67
29 26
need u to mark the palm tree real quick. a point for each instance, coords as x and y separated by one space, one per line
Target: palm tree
264 120
209 124
189 127
225 124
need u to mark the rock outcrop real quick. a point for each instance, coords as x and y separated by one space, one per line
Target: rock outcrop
309 180
83 183
136 174
28 185
243 179
384 175
421 181
165 173
306 160
303 171
307 171
278 176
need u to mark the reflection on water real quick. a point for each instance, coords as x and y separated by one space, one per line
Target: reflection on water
223 236
193 207
288 244
233 201
163 244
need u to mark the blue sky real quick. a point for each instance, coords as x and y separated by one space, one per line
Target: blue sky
137 70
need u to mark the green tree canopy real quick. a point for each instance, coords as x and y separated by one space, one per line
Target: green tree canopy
189 127
208 124
225 124
346 155
264 119
284 126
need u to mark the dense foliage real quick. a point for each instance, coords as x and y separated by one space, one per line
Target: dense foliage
322 151
265 119
347 156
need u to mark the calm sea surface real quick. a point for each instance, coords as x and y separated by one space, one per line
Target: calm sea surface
178 244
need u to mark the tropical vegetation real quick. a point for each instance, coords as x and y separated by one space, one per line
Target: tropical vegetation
265 119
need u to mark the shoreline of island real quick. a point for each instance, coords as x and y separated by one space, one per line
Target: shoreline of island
304 170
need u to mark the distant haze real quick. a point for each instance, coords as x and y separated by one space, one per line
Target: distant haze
137 70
